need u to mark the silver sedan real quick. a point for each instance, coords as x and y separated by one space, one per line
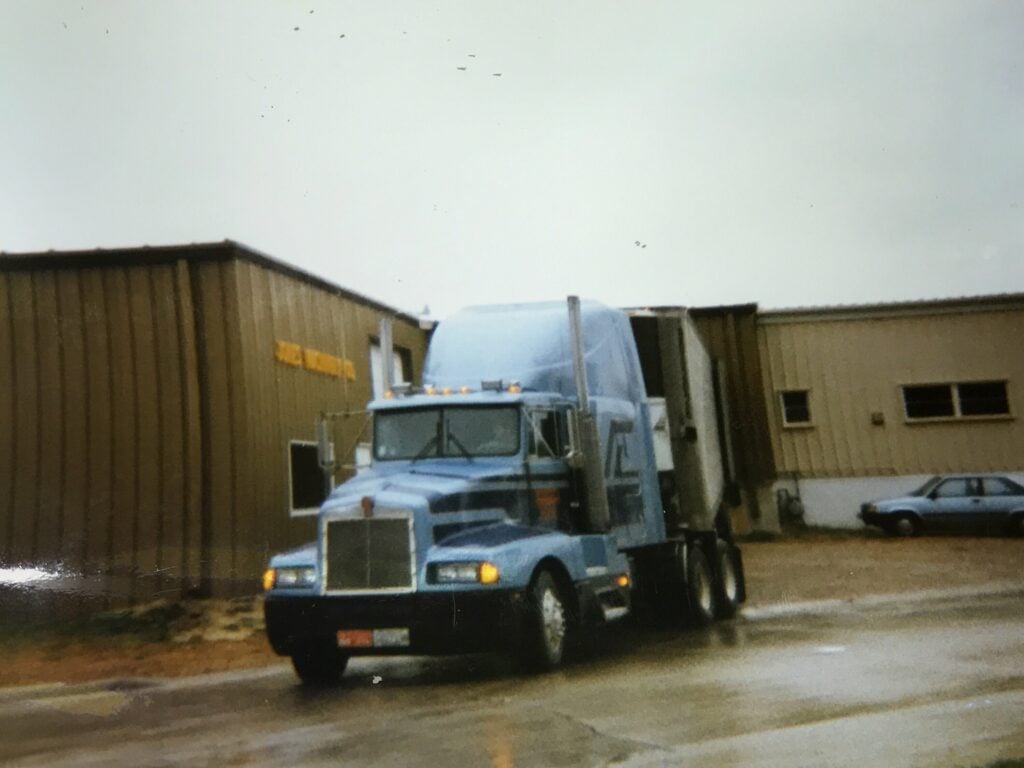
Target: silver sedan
952 503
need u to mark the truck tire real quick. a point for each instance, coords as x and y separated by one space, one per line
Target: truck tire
545 626
319 664
699 589
727 581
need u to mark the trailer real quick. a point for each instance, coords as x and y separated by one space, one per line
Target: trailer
561 466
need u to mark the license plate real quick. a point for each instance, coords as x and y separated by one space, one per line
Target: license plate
396 637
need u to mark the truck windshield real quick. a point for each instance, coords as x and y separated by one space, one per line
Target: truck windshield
465 432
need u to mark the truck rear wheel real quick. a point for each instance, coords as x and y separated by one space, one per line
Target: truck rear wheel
319 664
545 625
700 589
727 581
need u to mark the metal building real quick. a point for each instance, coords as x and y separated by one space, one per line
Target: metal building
868 401
158 409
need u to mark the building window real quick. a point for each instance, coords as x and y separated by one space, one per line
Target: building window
305 478
954 401
796 408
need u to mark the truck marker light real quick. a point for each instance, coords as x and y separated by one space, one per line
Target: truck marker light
269 577
464 390
514 388
622 580
446 390
429 389
388 395
488 573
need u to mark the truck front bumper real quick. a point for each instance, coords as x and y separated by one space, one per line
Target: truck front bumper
457 622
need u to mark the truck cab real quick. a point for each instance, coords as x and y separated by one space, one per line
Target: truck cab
502 510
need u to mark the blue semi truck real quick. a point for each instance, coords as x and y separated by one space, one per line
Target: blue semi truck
561 466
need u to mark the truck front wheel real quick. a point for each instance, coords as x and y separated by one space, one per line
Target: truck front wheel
319 663
545 624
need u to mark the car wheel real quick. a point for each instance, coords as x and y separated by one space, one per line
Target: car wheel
727 581
700 588
906 525
319 663
545 626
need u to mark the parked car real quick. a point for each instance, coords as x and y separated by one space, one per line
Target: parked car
962 503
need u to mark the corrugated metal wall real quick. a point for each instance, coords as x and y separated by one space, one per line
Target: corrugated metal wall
853 366
256 403
99 439
145 419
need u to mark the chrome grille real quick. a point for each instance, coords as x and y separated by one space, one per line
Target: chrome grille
368 554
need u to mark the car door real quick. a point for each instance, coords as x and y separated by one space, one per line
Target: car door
955 503
1001 498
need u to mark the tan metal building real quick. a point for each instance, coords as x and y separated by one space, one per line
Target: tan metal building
868 401
158 408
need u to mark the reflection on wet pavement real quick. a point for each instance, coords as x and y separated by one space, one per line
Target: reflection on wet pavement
899 684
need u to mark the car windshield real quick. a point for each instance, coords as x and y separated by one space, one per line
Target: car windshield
466 432
926 487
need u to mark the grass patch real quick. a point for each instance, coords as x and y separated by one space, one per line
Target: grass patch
143 624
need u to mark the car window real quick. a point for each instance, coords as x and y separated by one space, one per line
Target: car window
997 486
958 486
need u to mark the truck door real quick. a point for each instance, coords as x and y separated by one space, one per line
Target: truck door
549 482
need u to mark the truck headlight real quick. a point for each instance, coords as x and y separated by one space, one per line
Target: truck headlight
466 573
289 578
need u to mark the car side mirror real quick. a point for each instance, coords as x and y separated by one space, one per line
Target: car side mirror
933 495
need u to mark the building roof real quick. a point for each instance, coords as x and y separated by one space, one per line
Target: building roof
225 250
957 305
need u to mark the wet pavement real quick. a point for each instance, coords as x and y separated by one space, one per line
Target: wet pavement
938 682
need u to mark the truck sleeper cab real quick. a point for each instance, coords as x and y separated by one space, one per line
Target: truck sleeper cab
509 515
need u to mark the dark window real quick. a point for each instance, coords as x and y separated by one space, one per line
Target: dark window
955 488
796 407
997 486
929 402
446 432
547 434
983 398
951 401
306 477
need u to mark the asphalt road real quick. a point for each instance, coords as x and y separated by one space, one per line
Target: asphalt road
938 682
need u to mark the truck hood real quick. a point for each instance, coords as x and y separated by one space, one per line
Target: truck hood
445 486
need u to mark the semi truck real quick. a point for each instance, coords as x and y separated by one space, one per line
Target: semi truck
561 466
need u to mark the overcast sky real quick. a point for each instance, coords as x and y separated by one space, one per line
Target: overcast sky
453 153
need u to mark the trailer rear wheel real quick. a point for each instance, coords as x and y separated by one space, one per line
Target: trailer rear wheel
319 663
700 589
727 581
544 627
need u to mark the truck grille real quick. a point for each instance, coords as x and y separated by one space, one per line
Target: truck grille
372 553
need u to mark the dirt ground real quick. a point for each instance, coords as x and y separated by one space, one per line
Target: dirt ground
213 636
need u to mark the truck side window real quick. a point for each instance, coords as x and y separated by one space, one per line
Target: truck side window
544 442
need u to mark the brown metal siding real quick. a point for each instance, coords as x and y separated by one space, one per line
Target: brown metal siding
257 404
144 418
96 450
731 338
855 366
